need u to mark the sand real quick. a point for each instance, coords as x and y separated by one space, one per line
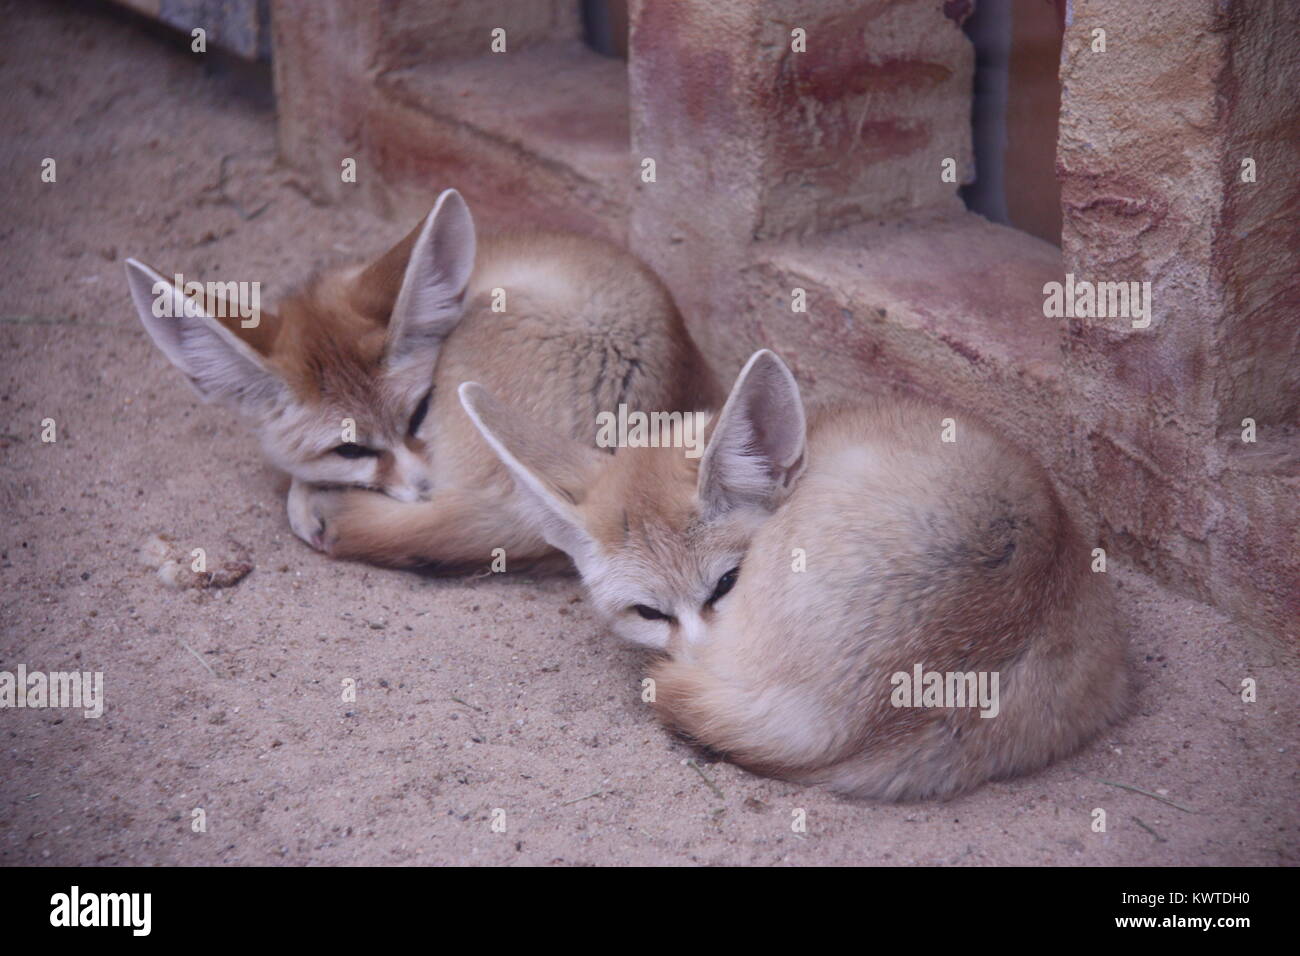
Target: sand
473 697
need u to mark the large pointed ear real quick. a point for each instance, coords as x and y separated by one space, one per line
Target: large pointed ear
219 364
551 471
438 259
756 451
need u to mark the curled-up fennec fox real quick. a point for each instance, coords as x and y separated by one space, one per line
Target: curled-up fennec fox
351 383
804 579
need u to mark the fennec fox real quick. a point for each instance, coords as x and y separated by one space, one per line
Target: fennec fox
799 576
352 381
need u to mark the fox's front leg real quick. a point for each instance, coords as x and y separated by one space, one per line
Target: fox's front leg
456 527
305 506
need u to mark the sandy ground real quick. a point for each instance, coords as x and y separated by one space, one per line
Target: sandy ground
473 695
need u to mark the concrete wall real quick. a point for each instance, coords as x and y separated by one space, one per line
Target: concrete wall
412 92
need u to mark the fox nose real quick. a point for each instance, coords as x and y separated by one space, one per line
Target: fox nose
424 488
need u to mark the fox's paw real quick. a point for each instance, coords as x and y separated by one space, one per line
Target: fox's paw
311 513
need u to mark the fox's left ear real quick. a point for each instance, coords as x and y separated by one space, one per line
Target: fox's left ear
757 449
221 364
438 258
551 471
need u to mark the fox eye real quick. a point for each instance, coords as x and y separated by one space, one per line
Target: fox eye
725 584
351 450
650 614
417 417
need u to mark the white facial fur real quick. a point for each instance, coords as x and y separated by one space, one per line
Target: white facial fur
677 579
302 441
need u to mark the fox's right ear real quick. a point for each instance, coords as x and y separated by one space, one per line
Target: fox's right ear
756 451
418 286
551 471
220 366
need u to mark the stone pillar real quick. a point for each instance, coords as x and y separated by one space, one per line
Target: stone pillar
752 140
323 52
1153 132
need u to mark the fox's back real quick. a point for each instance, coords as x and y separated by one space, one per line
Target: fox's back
899 549
563 327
